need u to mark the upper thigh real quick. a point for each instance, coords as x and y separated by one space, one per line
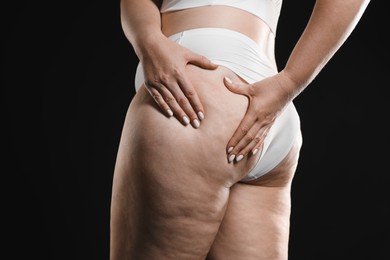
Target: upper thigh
255 225
164 213
256 221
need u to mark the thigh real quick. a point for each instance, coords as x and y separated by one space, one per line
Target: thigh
256 223
169 213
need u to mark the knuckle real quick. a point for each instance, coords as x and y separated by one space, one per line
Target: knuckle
251 87
182 101
249 138
244 130
189 93
159 78
156 96
269 119
162 77
154 82
257 139
169 100
176 71
149 83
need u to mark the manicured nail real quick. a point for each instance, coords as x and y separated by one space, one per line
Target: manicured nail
196 123
200 115
228 80
231 158
255 151
186 120
170 113
239 158
230 149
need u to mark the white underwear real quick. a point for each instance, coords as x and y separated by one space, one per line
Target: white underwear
244 57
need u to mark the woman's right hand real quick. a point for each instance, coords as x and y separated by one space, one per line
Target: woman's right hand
163 62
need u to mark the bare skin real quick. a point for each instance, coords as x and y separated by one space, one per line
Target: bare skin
171 192
175 196
185 202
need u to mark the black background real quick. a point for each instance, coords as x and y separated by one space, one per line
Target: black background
66 81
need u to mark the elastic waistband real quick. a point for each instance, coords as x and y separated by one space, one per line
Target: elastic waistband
228 48
221 32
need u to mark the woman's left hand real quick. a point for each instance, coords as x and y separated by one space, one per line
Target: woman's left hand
267 98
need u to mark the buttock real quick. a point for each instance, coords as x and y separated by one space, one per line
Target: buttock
240 59
280 139
203 149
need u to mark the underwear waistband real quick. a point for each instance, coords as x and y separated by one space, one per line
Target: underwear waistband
228 48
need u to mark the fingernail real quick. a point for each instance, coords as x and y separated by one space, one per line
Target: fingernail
255 151
196 123
200 115
186 120
239 158
170 113
231 158
230 149
228 80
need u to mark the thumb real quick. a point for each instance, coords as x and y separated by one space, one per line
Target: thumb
202 61
238 88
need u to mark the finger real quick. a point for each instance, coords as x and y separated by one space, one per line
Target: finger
246 124
188 114
249 144
192 96
167 102
201 61
237 87
245 145
259 141
160 101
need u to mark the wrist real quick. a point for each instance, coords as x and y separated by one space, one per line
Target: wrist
289 84
148 41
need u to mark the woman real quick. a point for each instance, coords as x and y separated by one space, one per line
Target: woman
216 186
